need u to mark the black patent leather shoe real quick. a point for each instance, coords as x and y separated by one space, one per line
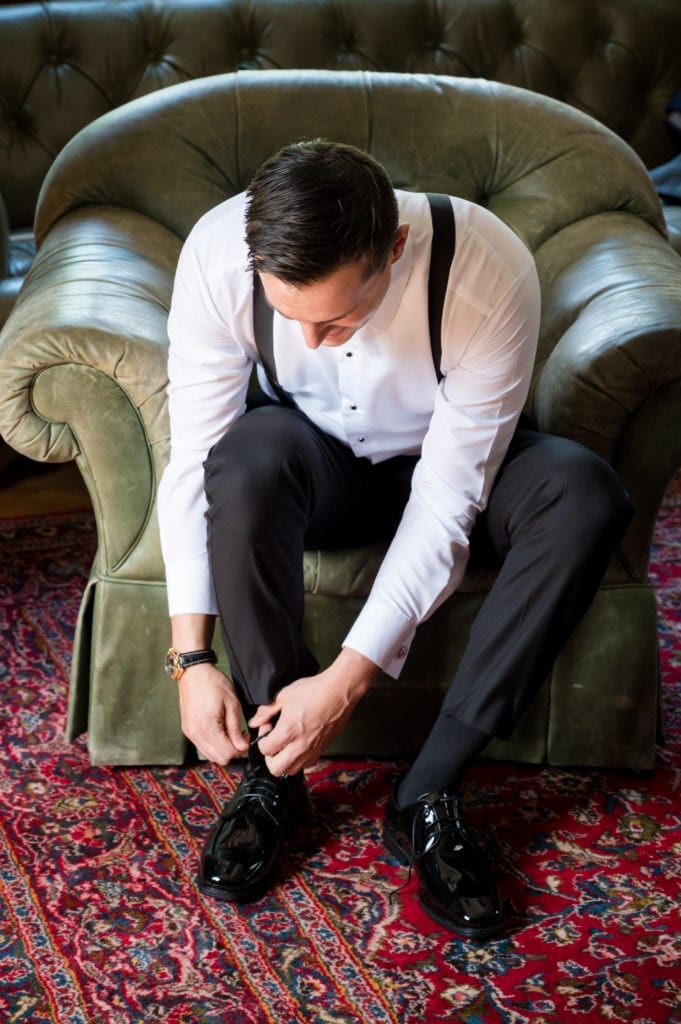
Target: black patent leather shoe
456 886
241 857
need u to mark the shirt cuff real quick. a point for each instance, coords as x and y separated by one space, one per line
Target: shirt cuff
190 588
381 634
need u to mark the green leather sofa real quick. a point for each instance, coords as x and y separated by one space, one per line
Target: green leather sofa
83 376
65 62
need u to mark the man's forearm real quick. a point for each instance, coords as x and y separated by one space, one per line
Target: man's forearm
358 671
192 631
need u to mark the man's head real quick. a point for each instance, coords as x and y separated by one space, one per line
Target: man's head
322 231
315 206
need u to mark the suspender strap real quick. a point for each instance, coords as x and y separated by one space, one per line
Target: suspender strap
441 256
263 317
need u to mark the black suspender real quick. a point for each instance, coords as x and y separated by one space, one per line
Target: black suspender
263 316
441 256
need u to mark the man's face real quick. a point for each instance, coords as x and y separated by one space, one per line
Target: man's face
332 310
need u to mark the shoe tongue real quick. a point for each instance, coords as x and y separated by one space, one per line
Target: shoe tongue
439 806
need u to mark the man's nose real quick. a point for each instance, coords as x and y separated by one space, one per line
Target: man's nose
313 334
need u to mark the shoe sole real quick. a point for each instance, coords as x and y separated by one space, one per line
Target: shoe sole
258 890
237 895
492 931
401 853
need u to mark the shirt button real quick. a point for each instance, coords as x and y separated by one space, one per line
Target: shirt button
353 408
348 355
361 440
403 651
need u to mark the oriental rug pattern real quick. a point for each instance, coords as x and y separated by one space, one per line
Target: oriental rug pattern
102 923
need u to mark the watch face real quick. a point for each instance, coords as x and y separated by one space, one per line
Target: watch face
172 664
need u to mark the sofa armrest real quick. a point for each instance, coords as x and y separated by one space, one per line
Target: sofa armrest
85 346
608 372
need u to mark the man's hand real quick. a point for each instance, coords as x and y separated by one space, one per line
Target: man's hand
311 712
210 713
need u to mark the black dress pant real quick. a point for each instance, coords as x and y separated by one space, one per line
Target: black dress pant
276 484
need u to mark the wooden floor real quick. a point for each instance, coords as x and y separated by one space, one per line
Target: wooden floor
30 488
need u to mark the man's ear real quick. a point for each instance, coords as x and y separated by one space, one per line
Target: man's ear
399 243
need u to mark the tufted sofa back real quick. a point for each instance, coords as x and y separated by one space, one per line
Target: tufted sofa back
63 63
174 155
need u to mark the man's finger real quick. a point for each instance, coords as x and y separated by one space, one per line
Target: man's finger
233 729
271 743
282 763
208 751
264 715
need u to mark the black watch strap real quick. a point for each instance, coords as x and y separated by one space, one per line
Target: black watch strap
197 658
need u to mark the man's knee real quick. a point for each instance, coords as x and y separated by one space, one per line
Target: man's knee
243 468
566 489
591 505
256 468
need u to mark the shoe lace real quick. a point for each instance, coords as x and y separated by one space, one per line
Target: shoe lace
265 790
440 816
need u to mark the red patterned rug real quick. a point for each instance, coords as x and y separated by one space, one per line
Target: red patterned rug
102 923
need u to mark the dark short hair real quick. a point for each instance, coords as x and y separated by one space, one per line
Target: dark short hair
316 206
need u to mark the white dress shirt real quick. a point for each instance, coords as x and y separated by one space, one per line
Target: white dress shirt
378 393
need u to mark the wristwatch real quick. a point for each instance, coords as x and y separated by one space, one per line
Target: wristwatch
176 663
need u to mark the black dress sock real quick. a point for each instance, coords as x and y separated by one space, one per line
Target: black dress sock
443 760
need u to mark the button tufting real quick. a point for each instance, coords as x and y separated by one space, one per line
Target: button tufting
601 65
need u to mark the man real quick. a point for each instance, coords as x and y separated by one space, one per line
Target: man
359 440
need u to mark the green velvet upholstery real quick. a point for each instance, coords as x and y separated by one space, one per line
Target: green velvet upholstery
83 375
64 63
